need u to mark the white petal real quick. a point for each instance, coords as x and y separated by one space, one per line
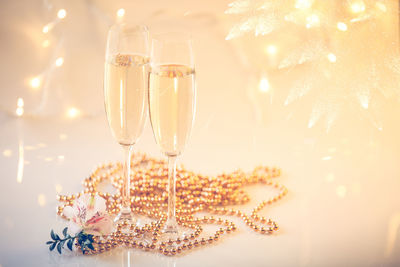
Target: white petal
100 204
73 228
68 211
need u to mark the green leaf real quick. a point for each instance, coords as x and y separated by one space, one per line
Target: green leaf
90 245
59 247
83 237
49 242
70 243
65 231
80 241
53 235
52 246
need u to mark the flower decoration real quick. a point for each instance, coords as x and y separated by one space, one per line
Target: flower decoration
89 214
88 218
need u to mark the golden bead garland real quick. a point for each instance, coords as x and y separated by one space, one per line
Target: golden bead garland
194 192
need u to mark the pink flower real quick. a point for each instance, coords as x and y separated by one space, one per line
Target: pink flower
89 214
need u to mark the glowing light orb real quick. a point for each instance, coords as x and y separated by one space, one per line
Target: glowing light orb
46 29
20 102
73 112
35 82
121 12
59 62
264 85
342 26
331 57
271 49
62 13
357 7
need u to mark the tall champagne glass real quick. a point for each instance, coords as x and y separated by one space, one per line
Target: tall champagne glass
125 93
172 104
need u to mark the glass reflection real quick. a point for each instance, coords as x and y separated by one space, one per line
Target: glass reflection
41 200
7 153
392 234
21 162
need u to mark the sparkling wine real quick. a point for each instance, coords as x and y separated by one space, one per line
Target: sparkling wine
125 87
172 106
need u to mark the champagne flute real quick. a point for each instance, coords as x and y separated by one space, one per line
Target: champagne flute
125 92
172 104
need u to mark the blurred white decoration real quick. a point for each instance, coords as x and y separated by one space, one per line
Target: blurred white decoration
346 52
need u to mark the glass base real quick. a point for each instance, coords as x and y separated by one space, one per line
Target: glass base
172 230
125 215
171 227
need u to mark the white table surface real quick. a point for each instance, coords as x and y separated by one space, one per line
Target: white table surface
343 206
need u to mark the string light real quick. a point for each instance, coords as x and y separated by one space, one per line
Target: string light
121 12
20 107
19 111
264 85
342 26
62 13
59 62
73 112
20 102
46 29
357 7
271 49
35 82
331 57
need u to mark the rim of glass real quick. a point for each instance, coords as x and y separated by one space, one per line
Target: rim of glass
132 28
172 37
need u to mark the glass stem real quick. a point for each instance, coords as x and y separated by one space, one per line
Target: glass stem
126 187
171 188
